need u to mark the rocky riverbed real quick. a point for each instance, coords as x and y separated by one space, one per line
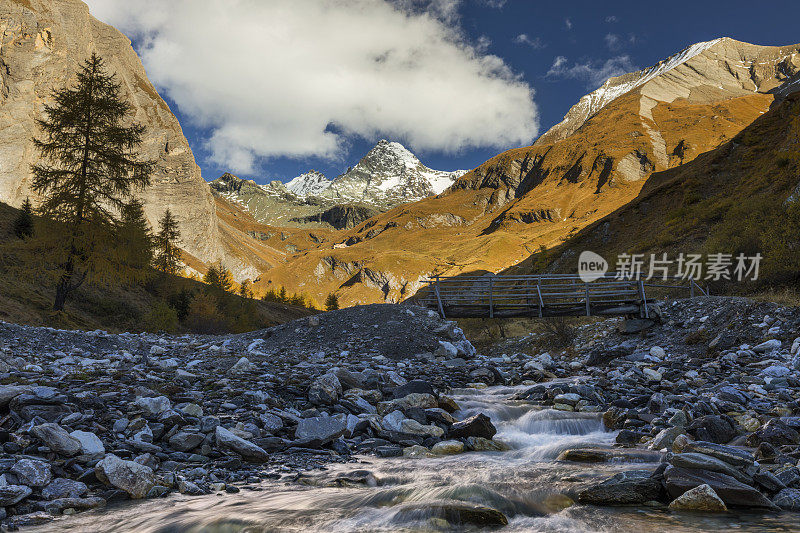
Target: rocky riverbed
710 394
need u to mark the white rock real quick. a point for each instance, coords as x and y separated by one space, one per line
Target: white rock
153 407
130 476
90 443
658 351
767 346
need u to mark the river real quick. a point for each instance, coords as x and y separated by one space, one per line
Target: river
527 484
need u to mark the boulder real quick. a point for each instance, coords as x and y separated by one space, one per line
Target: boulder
90 443
456 513
774 432
729 454
479 425
11 494
699 461
64 488
152 407
320 428
417 386
733 493
32 473
325 390
56 438
130 476
183 441
448 447
701 498
665 438
719 429
249 451
625 488
788 499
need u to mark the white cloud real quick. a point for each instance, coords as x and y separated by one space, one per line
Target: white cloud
568 23
496 4
611 19
299 79
535 43
593 73
613 41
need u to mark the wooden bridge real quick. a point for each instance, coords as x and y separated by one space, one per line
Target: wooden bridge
546 295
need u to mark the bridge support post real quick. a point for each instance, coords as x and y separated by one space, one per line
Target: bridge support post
491 302
588 307
438 297
644 299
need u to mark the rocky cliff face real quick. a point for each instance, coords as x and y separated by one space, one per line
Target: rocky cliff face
43 43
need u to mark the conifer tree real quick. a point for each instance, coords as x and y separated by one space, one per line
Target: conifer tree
168 255
219 277
244 289
23 224
135 242
331 302
89 168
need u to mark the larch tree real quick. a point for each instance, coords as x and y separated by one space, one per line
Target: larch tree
135 241
168 255
23 224
331 302
89 168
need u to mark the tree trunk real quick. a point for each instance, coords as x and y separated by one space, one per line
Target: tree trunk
64 285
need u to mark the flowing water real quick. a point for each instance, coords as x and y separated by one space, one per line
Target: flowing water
526 484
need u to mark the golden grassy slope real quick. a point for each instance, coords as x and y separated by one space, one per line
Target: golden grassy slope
25 300
504 210
704 205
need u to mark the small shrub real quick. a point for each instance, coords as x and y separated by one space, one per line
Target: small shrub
204 316
331 302
161 317
559 333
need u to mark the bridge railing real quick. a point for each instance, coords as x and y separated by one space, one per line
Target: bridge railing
545 295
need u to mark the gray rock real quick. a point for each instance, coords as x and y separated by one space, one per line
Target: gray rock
248 450
733 492
11 494
64 488
624 488
788 499
693 460
701 498
56 438
153 407
183 441
32 473
320 428
479 425
271 423
90 443
454 512
729 454
130 476
325 390
664 439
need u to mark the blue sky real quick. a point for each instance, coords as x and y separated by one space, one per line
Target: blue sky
592 39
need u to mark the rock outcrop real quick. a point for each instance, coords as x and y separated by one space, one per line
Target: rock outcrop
43 44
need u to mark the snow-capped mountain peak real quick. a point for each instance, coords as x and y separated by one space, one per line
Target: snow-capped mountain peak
311 183
390 175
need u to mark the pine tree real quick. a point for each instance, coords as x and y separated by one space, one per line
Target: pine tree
135 242
211 276
244 289
89 168
168 255
219 277
23 224
331 302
